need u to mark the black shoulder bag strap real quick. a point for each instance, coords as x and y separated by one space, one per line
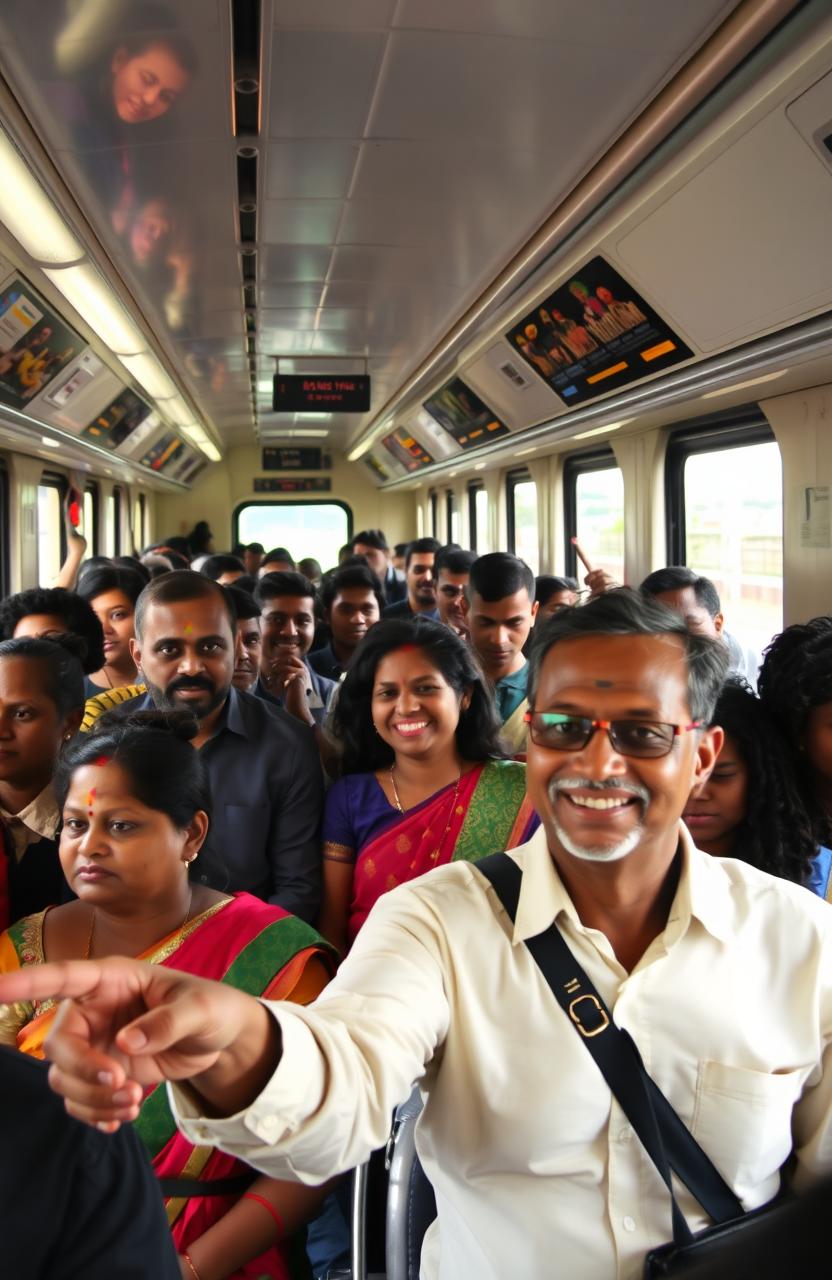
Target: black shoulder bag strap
666 1139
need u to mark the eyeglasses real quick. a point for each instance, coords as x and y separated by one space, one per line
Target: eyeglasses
640 738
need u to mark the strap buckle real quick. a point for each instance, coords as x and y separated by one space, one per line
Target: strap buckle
588 1032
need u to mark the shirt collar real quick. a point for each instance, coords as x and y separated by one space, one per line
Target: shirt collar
703 892
40 816
515 679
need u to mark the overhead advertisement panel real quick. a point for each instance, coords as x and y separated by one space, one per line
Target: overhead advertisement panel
407 450
594 334
461 412
163 452
35 345
118 420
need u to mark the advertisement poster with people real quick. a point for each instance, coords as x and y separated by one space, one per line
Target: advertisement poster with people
594 334
407 450
34 344
119 420
461 412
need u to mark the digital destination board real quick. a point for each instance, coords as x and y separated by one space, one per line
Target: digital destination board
461 412
283 458
594 334
331 393
299 484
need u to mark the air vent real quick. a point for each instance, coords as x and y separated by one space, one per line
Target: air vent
515 376
245 26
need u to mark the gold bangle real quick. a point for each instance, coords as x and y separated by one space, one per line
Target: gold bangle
191 1266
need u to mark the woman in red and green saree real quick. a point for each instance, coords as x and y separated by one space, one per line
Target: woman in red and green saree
136 812
424 779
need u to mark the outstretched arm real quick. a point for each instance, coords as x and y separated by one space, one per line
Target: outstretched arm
126 1025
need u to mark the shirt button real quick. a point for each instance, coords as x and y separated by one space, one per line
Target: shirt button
629 1223
268 1126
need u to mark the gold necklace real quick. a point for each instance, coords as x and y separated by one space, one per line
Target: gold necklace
434 857
88 950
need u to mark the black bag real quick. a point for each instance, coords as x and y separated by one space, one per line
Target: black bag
740 1244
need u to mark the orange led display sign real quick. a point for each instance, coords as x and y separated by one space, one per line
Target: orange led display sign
331 393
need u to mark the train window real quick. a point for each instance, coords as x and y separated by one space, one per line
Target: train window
51 533
521 513
594 512
315 528
90 529
728 524
452 517
478 518
434 514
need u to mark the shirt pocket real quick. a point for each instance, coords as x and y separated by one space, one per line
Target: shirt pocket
743 1120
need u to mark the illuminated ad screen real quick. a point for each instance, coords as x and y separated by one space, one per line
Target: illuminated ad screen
34 344
163 453
461 412
594 334
407 450
119 420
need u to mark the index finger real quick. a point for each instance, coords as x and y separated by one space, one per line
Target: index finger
65 980
581 554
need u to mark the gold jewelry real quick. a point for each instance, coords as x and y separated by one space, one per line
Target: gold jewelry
88 951
401 810
190 1265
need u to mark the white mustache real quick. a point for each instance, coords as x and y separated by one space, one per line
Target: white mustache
559 785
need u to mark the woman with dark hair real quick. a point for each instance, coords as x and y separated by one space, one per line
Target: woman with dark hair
41 705
136 813
751 806
112 592
49 612
424 775
795 685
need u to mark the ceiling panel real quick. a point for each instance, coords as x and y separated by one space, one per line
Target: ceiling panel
409 149
322 82
309 169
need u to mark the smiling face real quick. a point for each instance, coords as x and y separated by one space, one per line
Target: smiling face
354 610
115 851
717 807
421 584
288 624
415 711
146 84
596 804
247 654
186 654
31 730
115 611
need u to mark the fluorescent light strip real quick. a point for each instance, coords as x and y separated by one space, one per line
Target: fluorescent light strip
602 431
28 212
147 371
95 302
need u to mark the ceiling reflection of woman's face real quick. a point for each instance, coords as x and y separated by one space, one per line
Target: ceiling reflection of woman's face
148 83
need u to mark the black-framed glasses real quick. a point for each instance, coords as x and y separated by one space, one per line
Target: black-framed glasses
642 738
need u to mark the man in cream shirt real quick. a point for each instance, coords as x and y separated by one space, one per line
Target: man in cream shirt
722 975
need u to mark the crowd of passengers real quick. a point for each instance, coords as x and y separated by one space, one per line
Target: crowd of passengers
222 764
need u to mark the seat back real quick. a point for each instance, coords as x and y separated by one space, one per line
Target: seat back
411 1204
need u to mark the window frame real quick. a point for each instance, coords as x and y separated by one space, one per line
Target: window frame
141 535
92 535
118 498
474 487
450 512
295 502
578 464
434 513
734 429
5 521
55 480
519 475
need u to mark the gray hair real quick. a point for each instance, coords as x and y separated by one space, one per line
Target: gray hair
625 612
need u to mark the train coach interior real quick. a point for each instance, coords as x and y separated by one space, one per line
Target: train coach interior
505 274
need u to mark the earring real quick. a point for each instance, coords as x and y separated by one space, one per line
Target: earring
188 861
67 737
